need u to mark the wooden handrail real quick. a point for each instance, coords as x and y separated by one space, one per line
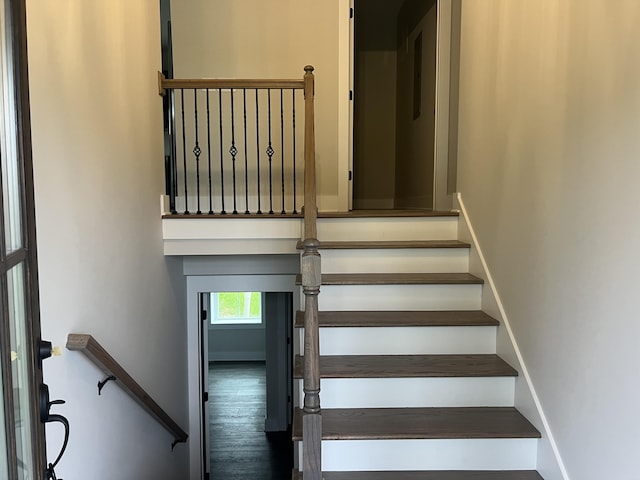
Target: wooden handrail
311 279
110 367
216 83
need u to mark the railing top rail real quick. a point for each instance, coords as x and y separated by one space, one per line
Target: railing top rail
110 367
218 83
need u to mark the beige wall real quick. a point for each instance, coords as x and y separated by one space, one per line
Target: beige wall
548 169
275 39
98 156
415 137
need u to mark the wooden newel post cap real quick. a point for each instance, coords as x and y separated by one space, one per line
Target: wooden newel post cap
309 69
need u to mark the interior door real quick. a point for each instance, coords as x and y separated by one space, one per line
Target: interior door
22 447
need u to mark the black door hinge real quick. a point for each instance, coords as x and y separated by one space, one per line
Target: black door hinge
205 397
351 13
203 315
350 94
350 175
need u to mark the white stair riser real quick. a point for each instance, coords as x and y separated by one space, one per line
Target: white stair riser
425 260
456 454
398 228
399 297
405 340
416 392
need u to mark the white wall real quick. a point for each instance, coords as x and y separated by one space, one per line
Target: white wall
240 343
415 137
275 39
98 156
548 169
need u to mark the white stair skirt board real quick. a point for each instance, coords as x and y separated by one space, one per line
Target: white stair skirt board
406 340
416 392
406 260
456 454
399 297
388 228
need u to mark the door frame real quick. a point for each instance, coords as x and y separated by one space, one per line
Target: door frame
446 71
197 284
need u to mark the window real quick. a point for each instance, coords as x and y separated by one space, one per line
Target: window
233 308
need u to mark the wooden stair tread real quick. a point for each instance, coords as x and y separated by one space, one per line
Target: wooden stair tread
407 366
443 318
388 213
351 245
397 279
420 423
431 475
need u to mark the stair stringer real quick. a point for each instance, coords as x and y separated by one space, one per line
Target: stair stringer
550 464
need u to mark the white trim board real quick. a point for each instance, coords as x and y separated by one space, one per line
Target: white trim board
550 464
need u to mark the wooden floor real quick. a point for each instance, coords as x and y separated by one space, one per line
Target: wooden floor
240 449
439 475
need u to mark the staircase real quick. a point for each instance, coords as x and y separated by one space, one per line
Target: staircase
411 386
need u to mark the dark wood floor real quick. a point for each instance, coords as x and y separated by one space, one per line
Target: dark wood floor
240 449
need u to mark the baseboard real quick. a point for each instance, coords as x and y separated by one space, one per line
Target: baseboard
372 203
550 464
237 356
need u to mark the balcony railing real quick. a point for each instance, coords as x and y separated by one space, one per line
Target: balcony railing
238 147
235 146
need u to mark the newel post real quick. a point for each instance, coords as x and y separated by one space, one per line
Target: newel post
312 418
311 280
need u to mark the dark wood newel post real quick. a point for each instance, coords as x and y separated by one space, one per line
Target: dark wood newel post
311 280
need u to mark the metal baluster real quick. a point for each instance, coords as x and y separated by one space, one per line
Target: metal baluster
184 154
246 161
258 148
174 155
270 153
197 150
209 155
223 212
293 120
233 151
282 147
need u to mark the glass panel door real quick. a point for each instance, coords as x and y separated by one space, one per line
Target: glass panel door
22 390
22 452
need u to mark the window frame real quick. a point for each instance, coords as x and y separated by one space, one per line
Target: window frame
234 322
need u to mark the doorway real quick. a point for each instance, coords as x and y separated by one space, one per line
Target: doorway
398 50
266 346
248 384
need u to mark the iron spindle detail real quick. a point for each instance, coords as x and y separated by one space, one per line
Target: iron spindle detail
258 149
293 136
246 160
184 153
209 154
212 162
197 150
282 146
270 153
233 151
222 211
174 153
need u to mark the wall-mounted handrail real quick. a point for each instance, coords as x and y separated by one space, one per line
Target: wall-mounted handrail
110 367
